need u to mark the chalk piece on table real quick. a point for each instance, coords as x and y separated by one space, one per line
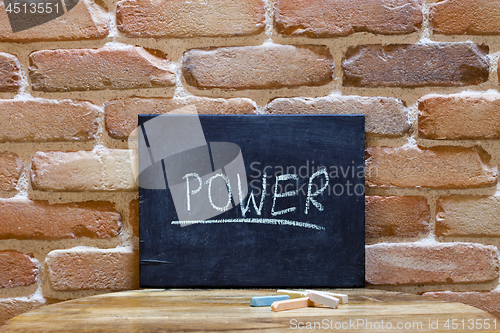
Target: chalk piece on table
267 300
291 304
292 293
343 298
319 297
314 304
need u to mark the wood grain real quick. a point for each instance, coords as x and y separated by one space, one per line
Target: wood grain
229 311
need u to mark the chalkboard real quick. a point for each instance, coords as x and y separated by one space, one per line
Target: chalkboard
204 221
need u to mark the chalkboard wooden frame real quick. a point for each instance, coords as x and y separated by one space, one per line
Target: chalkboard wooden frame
227 255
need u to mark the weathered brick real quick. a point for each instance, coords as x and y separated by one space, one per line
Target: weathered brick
416 65
93 269
488 301
9 308
188 18
10 75
133 216
332 18
11 167
396 216
471 17
121 115
269 66
458 117
411 263
97 69
16 269
385 116
26 219
97 170
435 167
474 216
87 20
47 120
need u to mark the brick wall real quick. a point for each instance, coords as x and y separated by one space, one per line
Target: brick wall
423 72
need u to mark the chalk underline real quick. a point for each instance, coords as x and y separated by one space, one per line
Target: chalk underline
255 220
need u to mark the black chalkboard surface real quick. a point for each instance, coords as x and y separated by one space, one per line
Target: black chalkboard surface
204 221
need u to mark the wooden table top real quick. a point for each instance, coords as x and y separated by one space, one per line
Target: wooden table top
368 310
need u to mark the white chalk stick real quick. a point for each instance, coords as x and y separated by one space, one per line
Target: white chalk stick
344 299
319 297
312 304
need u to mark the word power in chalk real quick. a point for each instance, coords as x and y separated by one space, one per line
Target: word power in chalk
241 201
267 300
194 180
324 299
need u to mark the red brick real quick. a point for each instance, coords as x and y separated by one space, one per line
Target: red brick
472 216
458 117
87 20
133 216
412 263
16 269
11 167
188 18
268 66
98 69
488 301
435 167
93 270
10 75
396 216
26 219
471 17
385 116
332 18
47 120
9 308
121 115
98 170
416 65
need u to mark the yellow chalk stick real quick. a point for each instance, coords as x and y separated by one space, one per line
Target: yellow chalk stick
292 293
319 297
291 304
344 299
